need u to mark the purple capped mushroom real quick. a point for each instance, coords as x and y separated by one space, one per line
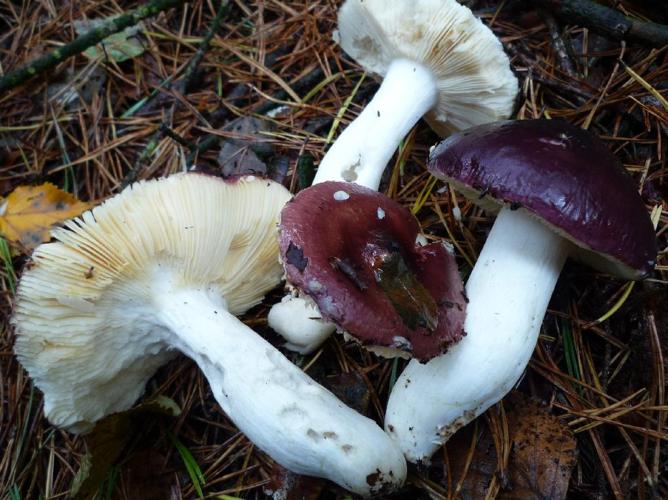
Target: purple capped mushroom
353 251
559 192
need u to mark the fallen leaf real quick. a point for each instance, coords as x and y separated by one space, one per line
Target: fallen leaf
543 452
351 389
145 473
29 212
120 46
542 455
107 441
246 149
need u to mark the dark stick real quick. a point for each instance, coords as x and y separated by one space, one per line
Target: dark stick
183 83
81 43
194 63
608 21
166 130
558 43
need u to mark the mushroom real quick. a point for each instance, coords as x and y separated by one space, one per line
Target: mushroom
436 58
353 251
559 192
164 267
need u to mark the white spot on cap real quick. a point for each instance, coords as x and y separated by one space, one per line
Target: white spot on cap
341 196
402 343
421 240
380 213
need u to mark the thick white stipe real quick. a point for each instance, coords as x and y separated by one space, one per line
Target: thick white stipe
276 405
508 290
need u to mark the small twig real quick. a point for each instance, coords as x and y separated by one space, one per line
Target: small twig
558 43
194 63
180 86
81 43
169 132
608 21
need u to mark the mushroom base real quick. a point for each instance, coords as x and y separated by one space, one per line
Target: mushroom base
508 290
276 405
298 321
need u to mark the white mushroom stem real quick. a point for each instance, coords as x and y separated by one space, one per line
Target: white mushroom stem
298 321
508 290
363 150
297 422
360 154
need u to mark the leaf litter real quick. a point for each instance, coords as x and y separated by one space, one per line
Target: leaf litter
262 49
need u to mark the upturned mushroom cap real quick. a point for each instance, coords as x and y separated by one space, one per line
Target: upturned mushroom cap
563 175
354 252
471 70
83 330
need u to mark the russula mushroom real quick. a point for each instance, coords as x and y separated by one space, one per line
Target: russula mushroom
164 267
353 251
559 192
436 58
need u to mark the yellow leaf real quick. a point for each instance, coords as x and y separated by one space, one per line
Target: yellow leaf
29 212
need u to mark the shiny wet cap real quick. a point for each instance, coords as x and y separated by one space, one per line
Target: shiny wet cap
563 175
354 252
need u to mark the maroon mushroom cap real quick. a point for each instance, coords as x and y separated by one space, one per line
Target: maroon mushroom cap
562 174
353 251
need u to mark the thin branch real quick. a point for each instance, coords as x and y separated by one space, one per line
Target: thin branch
608 21
81 43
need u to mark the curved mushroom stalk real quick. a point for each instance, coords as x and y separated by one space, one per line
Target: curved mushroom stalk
572 192
363 150
508 290
276 405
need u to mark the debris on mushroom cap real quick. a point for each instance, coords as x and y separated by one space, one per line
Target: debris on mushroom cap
83 331
562 174
473 73
366 273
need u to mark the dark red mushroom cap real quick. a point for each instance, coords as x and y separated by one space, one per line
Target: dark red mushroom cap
562 174
353 251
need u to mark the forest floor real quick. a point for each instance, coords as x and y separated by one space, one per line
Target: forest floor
595 387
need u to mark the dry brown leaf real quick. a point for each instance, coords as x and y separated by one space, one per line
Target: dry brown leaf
540 463
543 454
29 212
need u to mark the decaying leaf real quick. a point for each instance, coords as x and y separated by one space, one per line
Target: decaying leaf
107 441
29 212
145 473
542 455
245 151
350 388
120 46
543 452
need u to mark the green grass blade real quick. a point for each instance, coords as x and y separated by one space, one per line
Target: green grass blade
191 464
6 256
